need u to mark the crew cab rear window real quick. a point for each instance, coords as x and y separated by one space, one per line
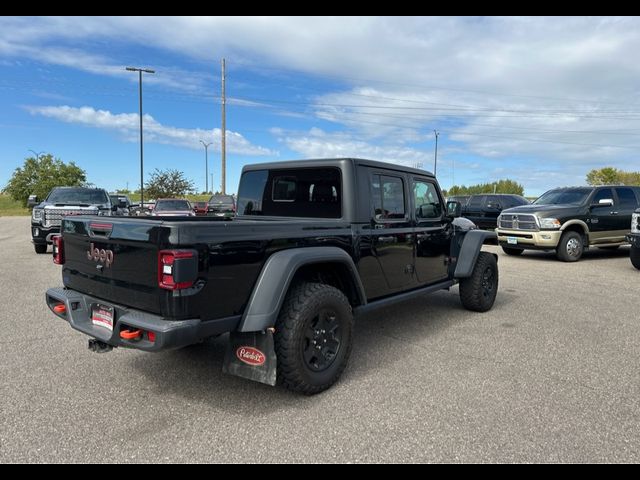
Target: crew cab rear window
304 192
387 195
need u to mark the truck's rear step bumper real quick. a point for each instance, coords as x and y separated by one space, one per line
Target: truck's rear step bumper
169 334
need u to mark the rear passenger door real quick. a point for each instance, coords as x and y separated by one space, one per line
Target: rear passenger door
392 232
432 232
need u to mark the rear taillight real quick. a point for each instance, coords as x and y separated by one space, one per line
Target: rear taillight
177 269
58 250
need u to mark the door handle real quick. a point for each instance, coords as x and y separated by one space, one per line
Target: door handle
613 213
388 239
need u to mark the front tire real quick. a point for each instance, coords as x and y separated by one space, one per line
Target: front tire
634 255
313 337
571 247
40 248
478 292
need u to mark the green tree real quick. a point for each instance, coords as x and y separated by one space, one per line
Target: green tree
167 183
39 175
612 176
500 186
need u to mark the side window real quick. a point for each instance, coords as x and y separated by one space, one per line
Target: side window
426 201
626 197
604 194
387 195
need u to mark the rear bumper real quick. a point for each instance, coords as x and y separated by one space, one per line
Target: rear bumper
169 334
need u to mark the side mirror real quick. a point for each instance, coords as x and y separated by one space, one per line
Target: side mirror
454 209
32 201
494 206
604 202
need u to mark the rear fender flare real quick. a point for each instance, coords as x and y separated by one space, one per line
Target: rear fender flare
275 278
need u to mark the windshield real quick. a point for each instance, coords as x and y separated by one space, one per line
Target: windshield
572 196
78 196
165 205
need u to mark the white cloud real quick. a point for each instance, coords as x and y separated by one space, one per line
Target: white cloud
317 143
555 94
127 124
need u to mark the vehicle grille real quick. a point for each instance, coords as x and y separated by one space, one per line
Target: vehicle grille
518 222
53 216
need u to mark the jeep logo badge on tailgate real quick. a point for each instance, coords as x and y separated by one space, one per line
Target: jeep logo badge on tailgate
100 255
250 356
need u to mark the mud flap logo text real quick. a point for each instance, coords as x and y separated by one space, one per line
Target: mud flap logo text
250 356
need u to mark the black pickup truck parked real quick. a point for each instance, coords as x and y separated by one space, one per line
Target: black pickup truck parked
569 220
315 243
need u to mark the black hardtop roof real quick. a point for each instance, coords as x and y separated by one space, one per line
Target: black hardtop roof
334 162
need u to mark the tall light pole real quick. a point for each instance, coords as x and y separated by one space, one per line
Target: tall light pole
435 160
223 139
36 153
140 71
206 165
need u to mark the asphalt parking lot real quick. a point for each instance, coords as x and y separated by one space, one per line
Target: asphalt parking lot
551 374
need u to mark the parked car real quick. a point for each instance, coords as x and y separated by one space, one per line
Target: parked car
221 206
122 203
483 210
200 208
569 220
172 207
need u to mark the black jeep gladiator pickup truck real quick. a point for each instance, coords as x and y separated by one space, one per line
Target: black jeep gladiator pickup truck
314 244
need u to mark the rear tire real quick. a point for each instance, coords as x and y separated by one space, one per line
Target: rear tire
478 292
512 251
40 248
570 247
634 255
313 337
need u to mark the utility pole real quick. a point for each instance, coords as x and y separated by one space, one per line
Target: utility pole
140 70
206 165
212 192
223 140
435 161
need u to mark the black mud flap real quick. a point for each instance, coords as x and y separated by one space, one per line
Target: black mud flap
251 355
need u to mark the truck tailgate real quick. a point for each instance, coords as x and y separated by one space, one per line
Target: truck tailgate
114 259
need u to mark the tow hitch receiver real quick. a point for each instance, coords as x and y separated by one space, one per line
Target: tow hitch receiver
98 346
252 356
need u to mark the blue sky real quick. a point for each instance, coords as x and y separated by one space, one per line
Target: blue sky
538 100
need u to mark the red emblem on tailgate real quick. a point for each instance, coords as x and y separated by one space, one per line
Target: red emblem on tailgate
250 356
